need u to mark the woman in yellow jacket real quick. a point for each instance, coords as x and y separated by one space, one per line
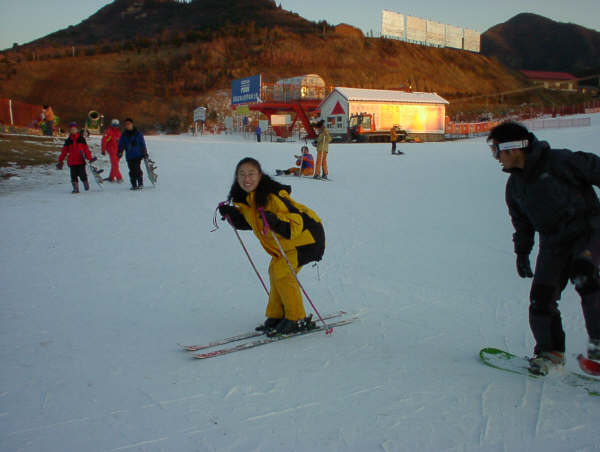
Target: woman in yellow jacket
300 233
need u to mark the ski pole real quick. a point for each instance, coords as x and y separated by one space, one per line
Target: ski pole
267 228
228 218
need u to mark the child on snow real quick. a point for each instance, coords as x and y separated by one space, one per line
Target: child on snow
133 144
76 151
299 231
305 162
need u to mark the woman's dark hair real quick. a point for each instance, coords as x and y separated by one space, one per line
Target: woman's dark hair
266 186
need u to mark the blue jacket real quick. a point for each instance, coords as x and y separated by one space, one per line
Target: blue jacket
133 144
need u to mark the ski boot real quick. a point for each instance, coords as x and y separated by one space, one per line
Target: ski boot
86 185
269 324
316 176
279 172
324 177
593 351
286 326
544 362
75 187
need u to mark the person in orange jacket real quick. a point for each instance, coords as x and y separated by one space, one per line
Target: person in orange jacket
110 145
305 162
47 120
76 151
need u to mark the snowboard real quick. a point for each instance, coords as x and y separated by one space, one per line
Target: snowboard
97 173
500 359
589 366
150 170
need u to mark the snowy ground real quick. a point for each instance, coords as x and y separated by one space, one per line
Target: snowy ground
97 289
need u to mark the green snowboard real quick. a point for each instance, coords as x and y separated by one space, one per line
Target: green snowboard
508 362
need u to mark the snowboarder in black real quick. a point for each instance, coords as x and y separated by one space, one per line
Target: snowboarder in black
550 191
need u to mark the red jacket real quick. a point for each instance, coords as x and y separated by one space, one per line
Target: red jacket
75 148
110 140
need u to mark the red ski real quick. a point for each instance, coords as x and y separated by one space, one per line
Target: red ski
589 366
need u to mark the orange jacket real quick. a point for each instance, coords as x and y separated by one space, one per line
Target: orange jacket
48 114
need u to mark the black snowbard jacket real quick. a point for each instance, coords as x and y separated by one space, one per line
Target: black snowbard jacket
554 196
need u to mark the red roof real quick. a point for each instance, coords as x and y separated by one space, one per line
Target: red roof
547 75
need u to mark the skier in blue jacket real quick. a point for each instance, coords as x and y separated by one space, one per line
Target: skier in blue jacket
133 144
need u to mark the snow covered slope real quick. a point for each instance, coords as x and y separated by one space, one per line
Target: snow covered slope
97 289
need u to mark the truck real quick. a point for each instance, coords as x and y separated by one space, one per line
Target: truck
362 129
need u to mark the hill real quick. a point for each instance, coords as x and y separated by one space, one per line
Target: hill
530 41
124 20
157 60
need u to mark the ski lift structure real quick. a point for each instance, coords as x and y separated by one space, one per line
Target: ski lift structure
299 95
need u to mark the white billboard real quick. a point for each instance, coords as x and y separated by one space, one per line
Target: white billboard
454 37
392 24
472 40
435 33
280 120
416 29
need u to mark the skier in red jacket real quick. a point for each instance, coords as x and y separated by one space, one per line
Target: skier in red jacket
110 144
76 151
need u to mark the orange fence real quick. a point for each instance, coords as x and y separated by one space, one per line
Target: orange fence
470 128
13 112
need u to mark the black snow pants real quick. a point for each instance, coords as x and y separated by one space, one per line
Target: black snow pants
554 268
135 172
78 171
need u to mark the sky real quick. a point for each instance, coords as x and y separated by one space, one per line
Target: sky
25 20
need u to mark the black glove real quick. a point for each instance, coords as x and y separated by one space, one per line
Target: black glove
227 210
59 165
280 227
523 266
93 159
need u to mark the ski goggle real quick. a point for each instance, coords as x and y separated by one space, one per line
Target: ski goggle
499 147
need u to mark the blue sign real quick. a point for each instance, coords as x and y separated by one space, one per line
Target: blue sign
245 90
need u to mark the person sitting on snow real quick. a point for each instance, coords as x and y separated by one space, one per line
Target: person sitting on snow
305 164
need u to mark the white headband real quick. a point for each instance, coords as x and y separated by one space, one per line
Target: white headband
513 145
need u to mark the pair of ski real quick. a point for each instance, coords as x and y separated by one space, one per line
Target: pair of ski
589 380
263 339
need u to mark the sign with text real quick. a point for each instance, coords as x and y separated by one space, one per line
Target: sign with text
200 114
246 90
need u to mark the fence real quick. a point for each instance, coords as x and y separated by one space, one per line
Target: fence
476 129
13 112
556 123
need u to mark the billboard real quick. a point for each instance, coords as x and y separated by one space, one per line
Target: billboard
392 24
280 120
416 29
472 40
430 32
435 33
454 37
245 90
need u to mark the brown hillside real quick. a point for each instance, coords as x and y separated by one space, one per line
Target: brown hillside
161 82
529 41
156 60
